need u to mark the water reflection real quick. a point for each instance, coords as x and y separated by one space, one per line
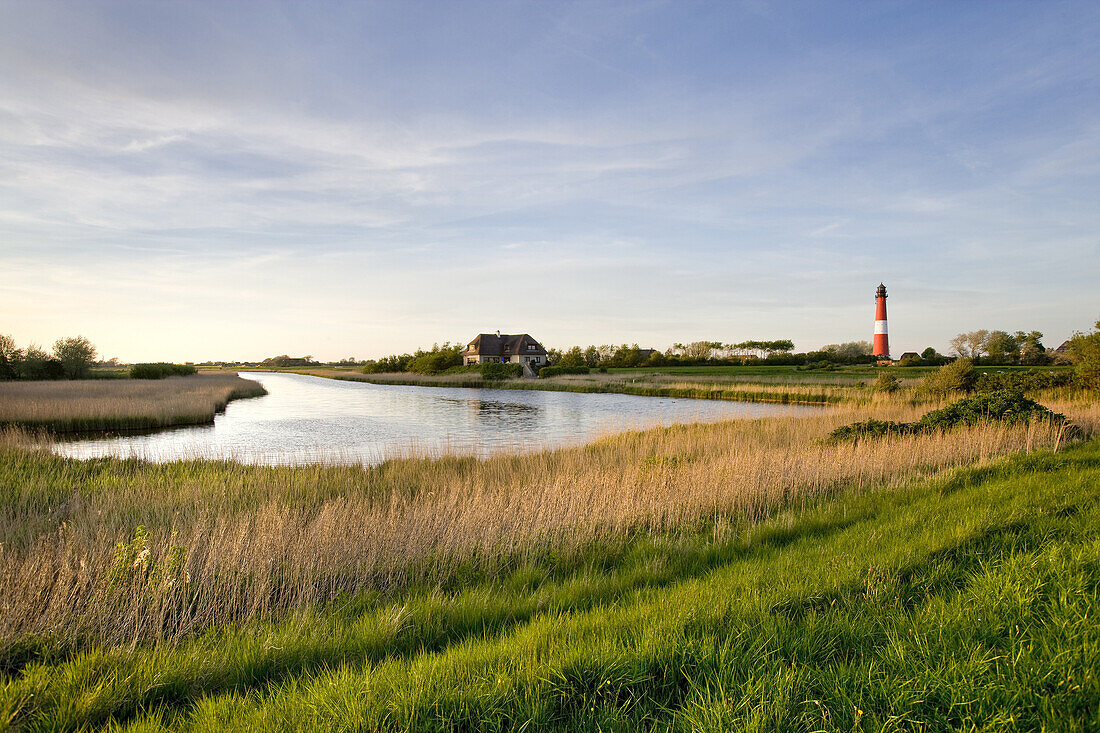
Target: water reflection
310 419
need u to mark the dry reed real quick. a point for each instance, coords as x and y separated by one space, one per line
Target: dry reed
120 404
251 540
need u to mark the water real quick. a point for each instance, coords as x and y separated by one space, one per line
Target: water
307 419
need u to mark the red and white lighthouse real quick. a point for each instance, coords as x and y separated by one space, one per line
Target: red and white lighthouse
882 340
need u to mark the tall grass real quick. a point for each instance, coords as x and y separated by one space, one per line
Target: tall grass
229 543
120 404
966 602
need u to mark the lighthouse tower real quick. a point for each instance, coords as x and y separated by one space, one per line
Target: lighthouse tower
882 340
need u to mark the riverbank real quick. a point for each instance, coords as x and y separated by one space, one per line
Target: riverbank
851 385
946 602
120 404
640 386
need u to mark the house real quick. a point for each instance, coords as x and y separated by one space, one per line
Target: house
489 348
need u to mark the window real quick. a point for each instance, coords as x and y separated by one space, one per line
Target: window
530 347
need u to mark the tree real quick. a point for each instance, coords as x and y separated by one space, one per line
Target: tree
1002 347
35 364
572 358
76 354
929 354
591 357
1084 352
848 351
1032 351
970 345
10 356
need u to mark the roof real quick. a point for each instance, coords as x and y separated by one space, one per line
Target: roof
491 344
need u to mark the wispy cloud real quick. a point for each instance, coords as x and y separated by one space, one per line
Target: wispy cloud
701 168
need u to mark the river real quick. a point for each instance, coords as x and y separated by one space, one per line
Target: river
306 419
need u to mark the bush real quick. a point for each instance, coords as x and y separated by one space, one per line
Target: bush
871 429
958 376
501 371
553 371
825 366
1084 352
1006 406
1023 381
160 370
886 382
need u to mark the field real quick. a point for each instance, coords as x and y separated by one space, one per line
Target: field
783 384
120 404
694 577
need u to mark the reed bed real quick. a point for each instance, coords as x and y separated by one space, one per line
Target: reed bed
120 404
121 551
647 386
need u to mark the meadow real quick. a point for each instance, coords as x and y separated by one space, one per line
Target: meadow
120 404
739 575
960 601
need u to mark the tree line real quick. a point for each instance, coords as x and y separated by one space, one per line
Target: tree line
1001 348
70 358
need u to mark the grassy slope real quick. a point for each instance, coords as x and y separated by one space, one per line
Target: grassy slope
963 602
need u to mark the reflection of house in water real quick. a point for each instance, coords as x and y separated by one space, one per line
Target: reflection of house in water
515 415
499 348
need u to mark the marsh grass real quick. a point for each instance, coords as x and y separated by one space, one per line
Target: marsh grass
963 602
120 404
225 543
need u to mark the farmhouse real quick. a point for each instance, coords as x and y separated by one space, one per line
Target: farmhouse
489 348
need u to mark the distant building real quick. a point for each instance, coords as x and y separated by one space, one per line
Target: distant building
1063 349
910 356
498 348
644 354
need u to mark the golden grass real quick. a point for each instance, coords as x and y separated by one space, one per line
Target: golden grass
257 540
120 404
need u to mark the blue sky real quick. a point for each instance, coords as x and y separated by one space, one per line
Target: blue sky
193 181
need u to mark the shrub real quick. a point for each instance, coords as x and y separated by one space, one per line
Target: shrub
1006 406
553 371
501 371
958 376
1084 352
871 429
160 370
1024 381
886 382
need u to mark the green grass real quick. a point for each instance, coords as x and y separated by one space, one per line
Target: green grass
961 603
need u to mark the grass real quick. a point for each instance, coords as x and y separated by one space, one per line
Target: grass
960 602
120 404
782 384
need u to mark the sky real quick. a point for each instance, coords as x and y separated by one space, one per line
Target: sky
192 181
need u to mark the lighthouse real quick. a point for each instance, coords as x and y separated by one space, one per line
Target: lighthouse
882 340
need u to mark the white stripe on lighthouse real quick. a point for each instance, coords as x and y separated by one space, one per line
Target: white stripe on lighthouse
880 327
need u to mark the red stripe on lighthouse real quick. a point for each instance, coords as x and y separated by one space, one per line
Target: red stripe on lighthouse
882 339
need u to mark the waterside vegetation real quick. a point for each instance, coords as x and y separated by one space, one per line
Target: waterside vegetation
120 404
709 577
